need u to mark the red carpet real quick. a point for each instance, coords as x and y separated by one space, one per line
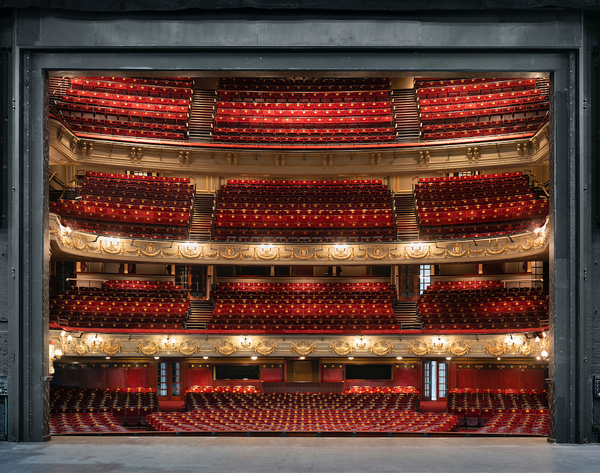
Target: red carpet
171 406
433 406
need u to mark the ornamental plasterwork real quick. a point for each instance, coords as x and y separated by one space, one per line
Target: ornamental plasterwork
341 348
149 348
265 349
123 345
381 348
225 348
458 348
419 348
213 160
93 246
111 347
303 348
496 348
186 348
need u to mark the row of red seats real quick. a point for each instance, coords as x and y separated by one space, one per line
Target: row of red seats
522 422
481 98
266 108
453 135
167 81
479 231
421 82
488 178
480 103
438 89
475 115
307 140
306 123
98 211
79 400
529 210
477 126
307 288
80 109
322 96
303 84
264 183
62 424
144 285
155 135
117 126
324 235
132 88
134 102
507 398
113 178
474 285
134 230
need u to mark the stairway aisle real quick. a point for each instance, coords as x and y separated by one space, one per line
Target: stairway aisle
204 106
406 217
202 217
407 316
406 116
200 315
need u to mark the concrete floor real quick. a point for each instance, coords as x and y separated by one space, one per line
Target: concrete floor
287 455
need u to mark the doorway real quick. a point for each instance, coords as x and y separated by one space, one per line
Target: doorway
435 380
169 382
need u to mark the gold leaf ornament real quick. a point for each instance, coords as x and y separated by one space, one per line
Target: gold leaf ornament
225 348
341 348
111 347
419 348
265 349
495 348
187 349
381 349
302 348
458 348
148 348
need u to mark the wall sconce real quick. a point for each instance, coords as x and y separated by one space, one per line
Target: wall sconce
246 343
360 344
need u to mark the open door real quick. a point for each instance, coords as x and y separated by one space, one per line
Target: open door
435 380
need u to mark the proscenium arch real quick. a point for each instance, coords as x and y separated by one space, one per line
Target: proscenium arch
570 206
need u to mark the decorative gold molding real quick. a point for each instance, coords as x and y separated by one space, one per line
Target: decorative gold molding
527 347
380 348
96 246
458 348
111 347
263 349
341 348
186 348
225 348
303 349
149 348
419 348
495 348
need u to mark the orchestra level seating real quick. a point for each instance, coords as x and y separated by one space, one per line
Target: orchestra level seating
304 112
482 305
130 205
347 210
127 305
478 206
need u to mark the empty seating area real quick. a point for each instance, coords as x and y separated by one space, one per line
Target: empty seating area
488 305
478 206
128 305
346 210
128 107
480 108
507 411
81 410
366 410
130 205
304 111
303 307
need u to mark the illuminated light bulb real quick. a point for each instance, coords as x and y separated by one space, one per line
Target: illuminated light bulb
398 357
537 339
302 357
108 357
254 357
350 357
69 338
544 353
157 357
448 357
58 352
205 357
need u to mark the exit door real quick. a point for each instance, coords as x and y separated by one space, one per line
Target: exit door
435 380
169 386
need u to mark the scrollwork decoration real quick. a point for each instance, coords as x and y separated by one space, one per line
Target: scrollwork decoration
265 349
381 349
111 347
225 348
458 348
419 348
302 349
495 348
341 348
186 348
148 348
